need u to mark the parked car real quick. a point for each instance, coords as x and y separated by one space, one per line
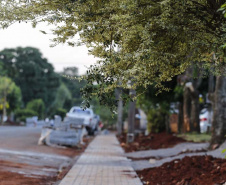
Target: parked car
205 118
88 116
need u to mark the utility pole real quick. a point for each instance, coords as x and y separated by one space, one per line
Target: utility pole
131 118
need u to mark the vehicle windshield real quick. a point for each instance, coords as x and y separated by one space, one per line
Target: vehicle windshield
80 111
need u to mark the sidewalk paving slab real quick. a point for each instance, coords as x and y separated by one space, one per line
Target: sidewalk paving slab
102 163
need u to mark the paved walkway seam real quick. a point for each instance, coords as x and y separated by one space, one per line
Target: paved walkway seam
102 163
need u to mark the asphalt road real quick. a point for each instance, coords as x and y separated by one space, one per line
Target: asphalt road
27 162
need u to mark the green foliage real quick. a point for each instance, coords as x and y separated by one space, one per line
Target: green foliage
106 115
22 114
10 95
157 39
196 137
62 95
157 105
223 151
73 85
2 71
61 112
32 73
178 92
37 106
14 98
157 119
6 86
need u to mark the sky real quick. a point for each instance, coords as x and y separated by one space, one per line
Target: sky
60 56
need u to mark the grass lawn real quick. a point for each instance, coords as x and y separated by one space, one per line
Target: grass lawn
196 137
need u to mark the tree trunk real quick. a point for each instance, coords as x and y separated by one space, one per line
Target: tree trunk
211 84
131 119
167 123
219 113
187 111
120 112
195 112
180 118
191 106
4 109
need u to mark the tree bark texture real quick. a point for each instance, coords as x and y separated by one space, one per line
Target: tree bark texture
120 113
131 118
219 112
186 111
167 123
191 107
195 111
180 118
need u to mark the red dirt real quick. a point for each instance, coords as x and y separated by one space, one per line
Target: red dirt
152 141
195 170
10 178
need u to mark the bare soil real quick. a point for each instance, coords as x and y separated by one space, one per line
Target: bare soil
152 141
7 178
195 170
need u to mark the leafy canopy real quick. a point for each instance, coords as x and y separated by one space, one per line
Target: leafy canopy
156 39
31 72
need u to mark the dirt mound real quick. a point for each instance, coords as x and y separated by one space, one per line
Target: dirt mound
196 170
152 141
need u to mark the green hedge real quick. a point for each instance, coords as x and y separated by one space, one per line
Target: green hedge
22 114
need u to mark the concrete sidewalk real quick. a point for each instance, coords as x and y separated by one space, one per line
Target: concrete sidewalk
102 163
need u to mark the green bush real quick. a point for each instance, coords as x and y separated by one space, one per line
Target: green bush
22 114
156 120
38 106
61 112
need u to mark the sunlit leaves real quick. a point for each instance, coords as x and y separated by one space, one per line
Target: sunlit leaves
143 41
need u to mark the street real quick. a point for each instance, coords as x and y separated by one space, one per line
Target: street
28 163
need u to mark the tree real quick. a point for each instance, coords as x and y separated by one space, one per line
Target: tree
158 104
62 95
37 105
74 85
158 39
14 98
32 73
6 87
219 112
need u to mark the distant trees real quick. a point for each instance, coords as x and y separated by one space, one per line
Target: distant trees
62 95
8 87
68 78
38 88
38 106
32 73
